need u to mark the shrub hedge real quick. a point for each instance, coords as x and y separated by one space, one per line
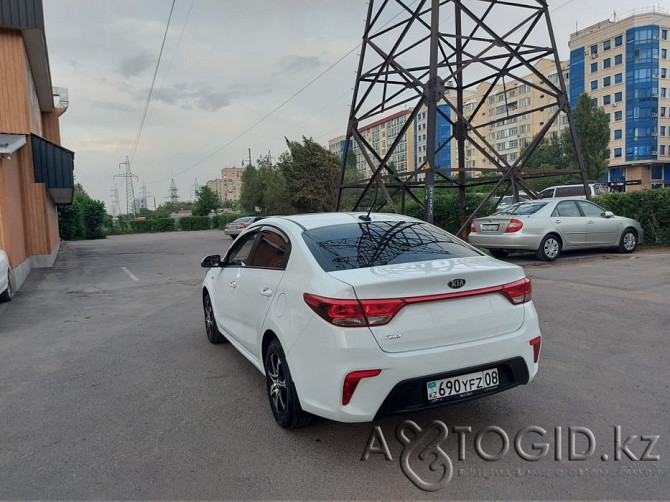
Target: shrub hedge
194 223
157 225
650 207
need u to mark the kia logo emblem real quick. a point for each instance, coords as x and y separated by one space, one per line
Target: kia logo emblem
456 283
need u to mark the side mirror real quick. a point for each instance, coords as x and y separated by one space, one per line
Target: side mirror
608 214
211 261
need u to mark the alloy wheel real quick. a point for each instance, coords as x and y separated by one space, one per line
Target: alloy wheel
277 377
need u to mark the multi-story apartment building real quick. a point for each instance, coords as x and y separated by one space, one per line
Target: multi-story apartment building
229 186
623 64
336 145
506 132
36 173
381 134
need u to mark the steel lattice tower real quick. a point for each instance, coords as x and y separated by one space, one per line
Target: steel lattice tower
130 191
174 197
437 52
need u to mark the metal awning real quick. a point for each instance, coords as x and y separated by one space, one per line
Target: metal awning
54 166
9 143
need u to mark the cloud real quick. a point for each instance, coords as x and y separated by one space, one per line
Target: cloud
298 64
135 65
115 106
198 95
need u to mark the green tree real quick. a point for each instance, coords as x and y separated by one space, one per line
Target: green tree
276 197
165 210
311 174
207 201
593 132
84 219
251 194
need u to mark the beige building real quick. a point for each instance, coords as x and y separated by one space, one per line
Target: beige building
380 135
229 186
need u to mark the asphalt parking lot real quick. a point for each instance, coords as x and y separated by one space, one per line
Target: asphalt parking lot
109 389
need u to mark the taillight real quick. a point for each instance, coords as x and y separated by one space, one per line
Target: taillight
514 226
518 292
351 382
535 343
354 313
242 225
473 229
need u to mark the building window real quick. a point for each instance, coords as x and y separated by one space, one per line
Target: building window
664 53
664 34
618 78
594 85
618 59
594 102
618 97
662 149
662 130
618 133
607 81
607 45
618 41
607 63
618 115
664 72
594 49
657 172
606 99
663 110
594 67
664 92
617 153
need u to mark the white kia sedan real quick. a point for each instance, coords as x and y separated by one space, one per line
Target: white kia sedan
351 316
6 291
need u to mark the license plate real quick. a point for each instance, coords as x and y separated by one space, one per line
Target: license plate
462 385
490 227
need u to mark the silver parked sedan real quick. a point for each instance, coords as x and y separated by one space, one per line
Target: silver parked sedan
551 226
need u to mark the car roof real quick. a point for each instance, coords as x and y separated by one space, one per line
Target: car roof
317 220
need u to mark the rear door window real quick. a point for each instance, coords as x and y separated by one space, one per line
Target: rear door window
272 250
378 243
567 209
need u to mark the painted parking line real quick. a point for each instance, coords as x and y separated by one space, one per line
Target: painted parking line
130 274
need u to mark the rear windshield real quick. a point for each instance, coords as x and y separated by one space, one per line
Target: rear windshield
523 208
377 243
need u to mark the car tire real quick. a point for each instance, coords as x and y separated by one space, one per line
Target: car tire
628 241
498 253
281 391
550 248
9 292
213 334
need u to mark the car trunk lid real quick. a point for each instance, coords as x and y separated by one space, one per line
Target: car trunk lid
448 301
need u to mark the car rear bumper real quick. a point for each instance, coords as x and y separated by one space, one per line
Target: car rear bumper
401 385
505 241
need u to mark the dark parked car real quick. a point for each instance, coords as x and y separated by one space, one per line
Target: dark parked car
235 228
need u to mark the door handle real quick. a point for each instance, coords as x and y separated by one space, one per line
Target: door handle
233 284
558 221
266 292
591 222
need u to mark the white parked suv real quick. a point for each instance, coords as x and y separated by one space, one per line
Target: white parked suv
573 191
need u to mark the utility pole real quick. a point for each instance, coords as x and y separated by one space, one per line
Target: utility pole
130 192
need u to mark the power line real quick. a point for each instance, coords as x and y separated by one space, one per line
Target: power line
278 107
153 83
293 96
174 53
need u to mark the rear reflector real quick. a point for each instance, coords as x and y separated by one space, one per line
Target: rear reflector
514 226
536 342
362 313
473 229
351 382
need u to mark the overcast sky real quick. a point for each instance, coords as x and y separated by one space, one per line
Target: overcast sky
235 62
